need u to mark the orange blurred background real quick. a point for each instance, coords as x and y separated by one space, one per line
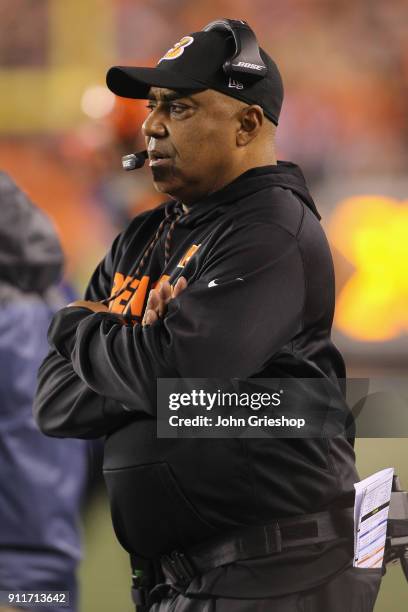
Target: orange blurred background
344 121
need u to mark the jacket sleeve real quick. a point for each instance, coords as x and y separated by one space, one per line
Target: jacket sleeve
42 480
64 405
245 305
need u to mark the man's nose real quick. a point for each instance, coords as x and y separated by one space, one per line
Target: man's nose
153 126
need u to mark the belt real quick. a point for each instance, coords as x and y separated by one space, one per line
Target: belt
180 567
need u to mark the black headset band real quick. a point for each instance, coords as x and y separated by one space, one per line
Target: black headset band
246 59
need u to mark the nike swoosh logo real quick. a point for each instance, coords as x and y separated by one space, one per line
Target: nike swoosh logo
214 282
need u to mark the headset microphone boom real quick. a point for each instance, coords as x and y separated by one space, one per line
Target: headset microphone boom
133 161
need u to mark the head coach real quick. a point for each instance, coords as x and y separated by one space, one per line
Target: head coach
230 277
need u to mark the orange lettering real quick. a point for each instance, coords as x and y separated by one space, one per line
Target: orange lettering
188 255
118 305
128 299
118 281
138 299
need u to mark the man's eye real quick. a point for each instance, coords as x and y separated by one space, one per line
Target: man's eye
177 109
172 108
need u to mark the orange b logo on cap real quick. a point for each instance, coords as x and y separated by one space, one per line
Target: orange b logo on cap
177 49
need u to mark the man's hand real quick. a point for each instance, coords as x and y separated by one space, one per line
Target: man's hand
94 306
159 299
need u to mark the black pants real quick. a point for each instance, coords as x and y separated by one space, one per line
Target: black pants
352 590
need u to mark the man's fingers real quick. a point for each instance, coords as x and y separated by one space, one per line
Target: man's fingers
165 291
165 297
180 285
94 306
155 307
153 300
152 305
159 298
150 317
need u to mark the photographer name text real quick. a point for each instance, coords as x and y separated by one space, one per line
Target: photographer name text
253 420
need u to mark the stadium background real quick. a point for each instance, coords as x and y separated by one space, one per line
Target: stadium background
345 70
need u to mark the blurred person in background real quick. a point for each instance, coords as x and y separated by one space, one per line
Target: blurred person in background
41 480
198 516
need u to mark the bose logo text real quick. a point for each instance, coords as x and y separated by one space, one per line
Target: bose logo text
246 65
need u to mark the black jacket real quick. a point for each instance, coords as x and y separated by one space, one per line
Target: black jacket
100 376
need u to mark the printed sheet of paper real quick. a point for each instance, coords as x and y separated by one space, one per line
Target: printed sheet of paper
371 508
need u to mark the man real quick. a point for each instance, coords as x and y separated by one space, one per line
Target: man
241 284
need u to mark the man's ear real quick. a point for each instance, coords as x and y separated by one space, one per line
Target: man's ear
251 121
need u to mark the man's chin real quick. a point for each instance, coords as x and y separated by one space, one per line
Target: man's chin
163 187
162 178
174 185
164 182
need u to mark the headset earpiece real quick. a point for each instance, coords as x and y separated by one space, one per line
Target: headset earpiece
247 58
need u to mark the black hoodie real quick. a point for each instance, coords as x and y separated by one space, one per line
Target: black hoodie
100 377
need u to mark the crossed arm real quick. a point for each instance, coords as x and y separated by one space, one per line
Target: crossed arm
103 372
65 406
157 302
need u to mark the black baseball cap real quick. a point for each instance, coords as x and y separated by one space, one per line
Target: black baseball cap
195 63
